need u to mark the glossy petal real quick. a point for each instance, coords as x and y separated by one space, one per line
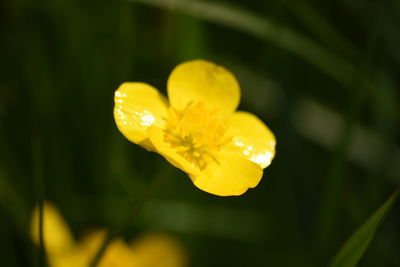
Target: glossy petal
56 234
203 81
156 136
137 107
232 175
252 138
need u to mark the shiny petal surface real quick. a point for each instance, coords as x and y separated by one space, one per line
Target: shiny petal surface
137 107
252 138
203 81
56 234
232 175
156 136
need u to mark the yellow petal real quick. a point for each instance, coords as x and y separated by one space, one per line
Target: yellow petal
137 107
158 250
252 137
56 234
82 253
231 175
117 253
156 136
89 244
203 81
68 260
74 258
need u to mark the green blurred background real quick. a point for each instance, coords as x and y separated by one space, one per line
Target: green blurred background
323 75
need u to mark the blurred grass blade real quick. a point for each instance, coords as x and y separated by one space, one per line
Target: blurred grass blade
354 248
322 27
242 20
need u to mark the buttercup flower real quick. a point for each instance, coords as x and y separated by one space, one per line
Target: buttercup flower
150 250
198 131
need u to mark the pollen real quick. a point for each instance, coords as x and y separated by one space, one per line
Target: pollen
196 133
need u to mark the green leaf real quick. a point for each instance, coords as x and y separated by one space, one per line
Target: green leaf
354 248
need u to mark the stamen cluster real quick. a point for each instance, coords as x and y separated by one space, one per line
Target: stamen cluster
196 133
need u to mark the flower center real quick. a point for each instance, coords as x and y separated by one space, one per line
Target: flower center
196 133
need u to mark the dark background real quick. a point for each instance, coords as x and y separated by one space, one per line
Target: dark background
323 75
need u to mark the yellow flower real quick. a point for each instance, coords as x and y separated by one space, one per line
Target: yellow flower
149 250
222 150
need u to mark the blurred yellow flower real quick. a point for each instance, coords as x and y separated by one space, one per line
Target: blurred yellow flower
198 131
149 250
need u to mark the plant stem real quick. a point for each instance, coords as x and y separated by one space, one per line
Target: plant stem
38 180
131 213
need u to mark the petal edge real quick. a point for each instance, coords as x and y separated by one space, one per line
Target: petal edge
137 107
206 82
252 138
233 175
